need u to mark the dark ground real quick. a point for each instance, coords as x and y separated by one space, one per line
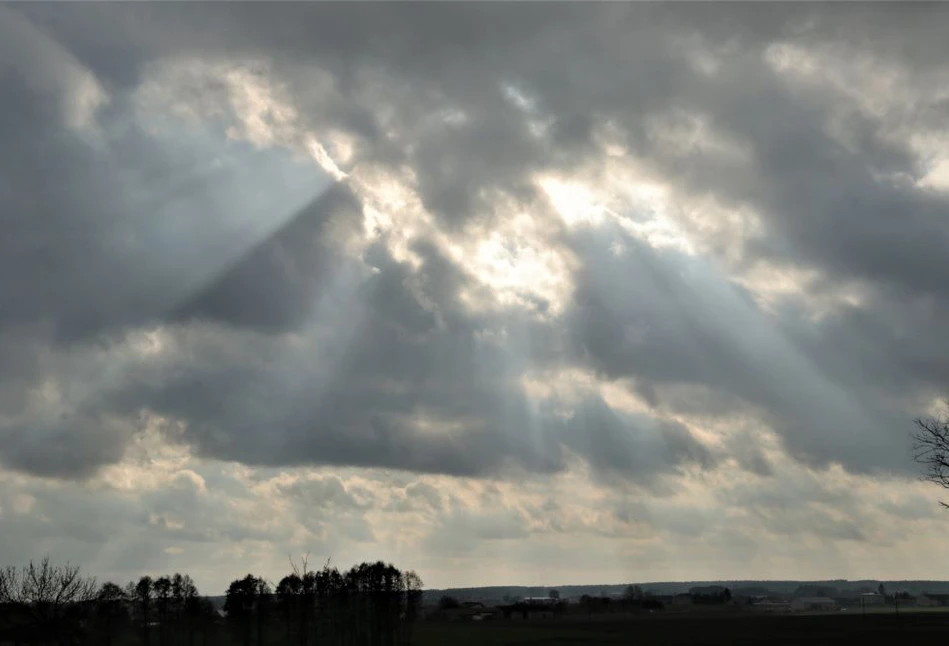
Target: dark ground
672 630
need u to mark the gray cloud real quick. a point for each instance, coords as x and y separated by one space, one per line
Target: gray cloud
274 286
290 351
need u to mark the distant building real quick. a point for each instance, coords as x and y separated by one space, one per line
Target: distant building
684 599
541 601
813 603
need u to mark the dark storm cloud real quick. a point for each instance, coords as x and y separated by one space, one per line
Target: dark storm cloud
72 447
127 231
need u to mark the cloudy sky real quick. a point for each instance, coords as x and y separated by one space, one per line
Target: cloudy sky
500 293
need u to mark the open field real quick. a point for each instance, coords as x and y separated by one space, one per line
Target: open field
691 630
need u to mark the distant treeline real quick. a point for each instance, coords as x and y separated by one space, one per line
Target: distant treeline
738 587
371 604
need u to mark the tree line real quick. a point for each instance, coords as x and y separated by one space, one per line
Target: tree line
371 604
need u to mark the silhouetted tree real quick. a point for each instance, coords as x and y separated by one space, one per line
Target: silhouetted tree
49 601
931 450
177 607
302 587
196 610
242 605
288 603
413 602
263 597
111 614
371 604
175 596
142 593
202 618
162 588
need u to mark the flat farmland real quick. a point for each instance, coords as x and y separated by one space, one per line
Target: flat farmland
687 629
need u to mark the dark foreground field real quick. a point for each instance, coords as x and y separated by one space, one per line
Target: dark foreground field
918 628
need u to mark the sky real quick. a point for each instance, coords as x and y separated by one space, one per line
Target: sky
500 293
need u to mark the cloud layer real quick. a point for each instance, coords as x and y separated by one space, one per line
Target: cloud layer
383 260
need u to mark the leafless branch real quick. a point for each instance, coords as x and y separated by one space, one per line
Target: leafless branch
931 450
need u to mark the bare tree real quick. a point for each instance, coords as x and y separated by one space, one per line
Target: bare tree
931 450
51 598
45 583
305 597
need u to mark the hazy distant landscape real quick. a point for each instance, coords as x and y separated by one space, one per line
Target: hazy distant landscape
676 587
376 604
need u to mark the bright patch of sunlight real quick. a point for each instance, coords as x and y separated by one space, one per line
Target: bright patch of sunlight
937 177
575 202
647 205
148 343
930 149
151 461
318 152
519 266
938 407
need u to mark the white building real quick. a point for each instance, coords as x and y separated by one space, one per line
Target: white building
871 599
541 601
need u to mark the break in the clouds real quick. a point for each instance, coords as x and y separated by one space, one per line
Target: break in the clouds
449 277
